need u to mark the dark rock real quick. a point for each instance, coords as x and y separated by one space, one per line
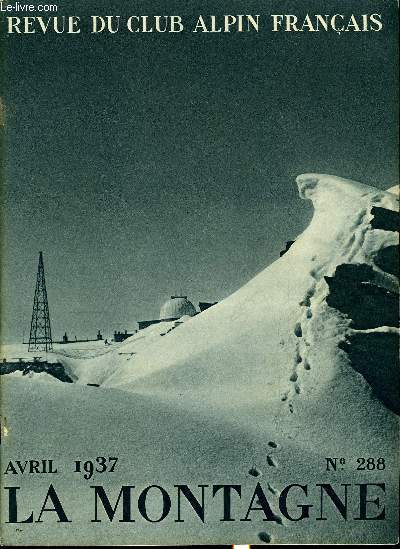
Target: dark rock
353 291
387 220
376 356
54 369
387 259
289 244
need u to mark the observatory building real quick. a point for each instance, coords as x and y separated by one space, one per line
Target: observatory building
173 309
176 307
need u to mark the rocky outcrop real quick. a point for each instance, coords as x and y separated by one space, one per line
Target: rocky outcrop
56 370
353 291
384 219
357 291
387 259
375 355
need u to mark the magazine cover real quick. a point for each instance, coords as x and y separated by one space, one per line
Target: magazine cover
199 272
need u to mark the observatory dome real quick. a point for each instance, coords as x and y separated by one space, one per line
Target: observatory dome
176 307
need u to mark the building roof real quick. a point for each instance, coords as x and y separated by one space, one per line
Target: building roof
176 307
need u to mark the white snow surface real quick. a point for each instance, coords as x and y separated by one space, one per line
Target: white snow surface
200 401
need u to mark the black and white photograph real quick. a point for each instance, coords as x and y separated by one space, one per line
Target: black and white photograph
199 272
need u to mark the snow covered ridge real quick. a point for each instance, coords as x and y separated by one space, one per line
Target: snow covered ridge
361 282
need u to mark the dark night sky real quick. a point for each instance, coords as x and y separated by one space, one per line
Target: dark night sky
148 164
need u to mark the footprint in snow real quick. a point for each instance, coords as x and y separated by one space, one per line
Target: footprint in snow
294 377
272 489
254 472
265 537
306 301
273 444
291 408
298 332
297 388
307 365
278 520
275 518
271 462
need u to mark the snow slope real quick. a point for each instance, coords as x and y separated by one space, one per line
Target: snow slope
276 339
261 384
98 370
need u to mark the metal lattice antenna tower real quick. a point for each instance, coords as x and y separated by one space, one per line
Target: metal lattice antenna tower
40 334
